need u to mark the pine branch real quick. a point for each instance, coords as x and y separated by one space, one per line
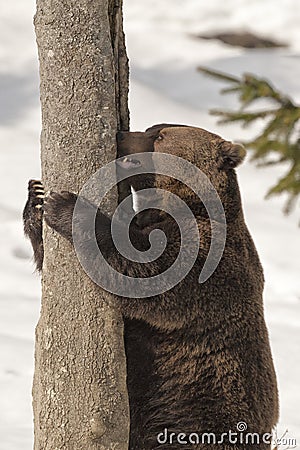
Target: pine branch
218 75
246 117
279 137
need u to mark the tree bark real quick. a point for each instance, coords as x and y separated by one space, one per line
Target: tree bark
79 389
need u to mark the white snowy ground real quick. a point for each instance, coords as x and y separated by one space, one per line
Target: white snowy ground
164 87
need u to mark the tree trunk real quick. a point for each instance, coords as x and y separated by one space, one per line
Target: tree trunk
79 390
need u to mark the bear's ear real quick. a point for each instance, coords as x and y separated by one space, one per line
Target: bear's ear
231 155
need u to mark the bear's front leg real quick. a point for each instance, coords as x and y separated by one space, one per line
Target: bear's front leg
58 212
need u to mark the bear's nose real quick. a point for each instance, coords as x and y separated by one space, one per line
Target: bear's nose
120 136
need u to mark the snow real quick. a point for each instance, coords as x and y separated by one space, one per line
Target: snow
165 87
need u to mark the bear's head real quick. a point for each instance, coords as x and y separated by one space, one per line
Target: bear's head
215 157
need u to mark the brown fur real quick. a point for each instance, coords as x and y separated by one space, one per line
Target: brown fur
198 356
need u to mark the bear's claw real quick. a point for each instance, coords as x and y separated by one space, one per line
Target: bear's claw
36 193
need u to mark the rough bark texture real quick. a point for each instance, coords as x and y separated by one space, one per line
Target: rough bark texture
79 391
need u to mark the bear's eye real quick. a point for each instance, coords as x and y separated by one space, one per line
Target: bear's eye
159 137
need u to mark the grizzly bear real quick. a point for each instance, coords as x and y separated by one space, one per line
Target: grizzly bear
199 365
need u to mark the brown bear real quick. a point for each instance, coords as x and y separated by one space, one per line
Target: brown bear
200 370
